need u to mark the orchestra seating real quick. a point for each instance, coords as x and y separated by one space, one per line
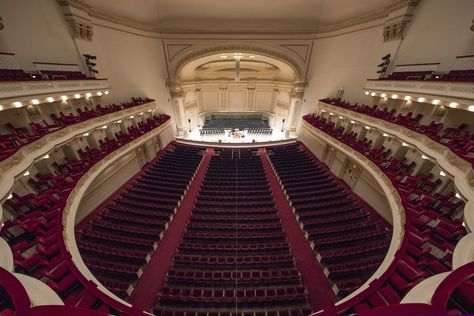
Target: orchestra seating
233 258
459 139
348 238
35 232
432 229
233 122
116 242
11 142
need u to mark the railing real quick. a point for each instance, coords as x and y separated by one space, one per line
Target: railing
14 89
461 90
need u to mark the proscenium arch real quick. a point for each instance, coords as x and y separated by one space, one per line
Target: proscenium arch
277 52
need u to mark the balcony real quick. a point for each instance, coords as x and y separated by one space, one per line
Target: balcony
13 90
463 91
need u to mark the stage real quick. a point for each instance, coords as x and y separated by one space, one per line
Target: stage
237 137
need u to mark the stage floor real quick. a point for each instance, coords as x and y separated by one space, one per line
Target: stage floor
195 135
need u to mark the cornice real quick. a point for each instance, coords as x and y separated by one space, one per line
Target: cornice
358 21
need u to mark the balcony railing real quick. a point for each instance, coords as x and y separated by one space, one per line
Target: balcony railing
17 89
448 89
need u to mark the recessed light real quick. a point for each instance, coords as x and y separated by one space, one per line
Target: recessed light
45 156
424 157
63 97
99 93
223 56
404 144
27 173
442 173
77 95
385 135
471 108
453 105
50 99
18 104
106 92
457 195
373 94
367 127
104 127
367 92
435 102
35 101
323 111
141 113
421 99
88 95
10 196
331 113
119 121
131 116
252 56
352 122
408 98
1 107
341 117
85 134
383 95
394 96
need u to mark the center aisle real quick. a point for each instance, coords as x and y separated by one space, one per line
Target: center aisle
320 293
153 278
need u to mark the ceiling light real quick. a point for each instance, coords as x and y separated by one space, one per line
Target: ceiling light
63 97
367 92
331 113
408 98
106 92
119 121
367 127
471 108
45 156
436 102
383 95
131 116
104 127
404 144
141 113
323 111
385 135
85 134
27 173
99 93
373 94
10 196
442 173
424 157
352 122
457 195
394 96
50 99
18 104
88 95
35 101
77 95
149 111
453 105
421 99
341 117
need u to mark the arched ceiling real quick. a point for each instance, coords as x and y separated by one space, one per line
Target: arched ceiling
221 66
212 15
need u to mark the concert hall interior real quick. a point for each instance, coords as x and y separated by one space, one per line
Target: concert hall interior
236 158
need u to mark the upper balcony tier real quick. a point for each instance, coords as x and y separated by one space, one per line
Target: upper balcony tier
461 92
25 90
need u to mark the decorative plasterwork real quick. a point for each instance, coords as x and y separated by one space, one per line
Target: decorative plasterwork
460 169
15 165
397 20
274 51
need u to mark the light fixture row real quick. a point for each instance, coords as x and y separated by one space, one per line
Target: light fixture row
452 105
19 104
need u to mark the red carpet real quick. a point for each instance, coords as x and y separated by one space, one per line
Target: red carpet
153 278
320 293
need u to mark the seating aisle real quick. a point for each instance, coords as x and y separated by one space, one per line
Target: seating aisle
233 258
320 294
348 238
121 237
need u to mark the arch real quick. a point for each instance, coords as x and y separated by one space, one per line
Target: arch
200 50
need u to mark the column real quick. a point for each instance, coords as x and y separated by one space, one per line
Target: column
296 97
177 99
